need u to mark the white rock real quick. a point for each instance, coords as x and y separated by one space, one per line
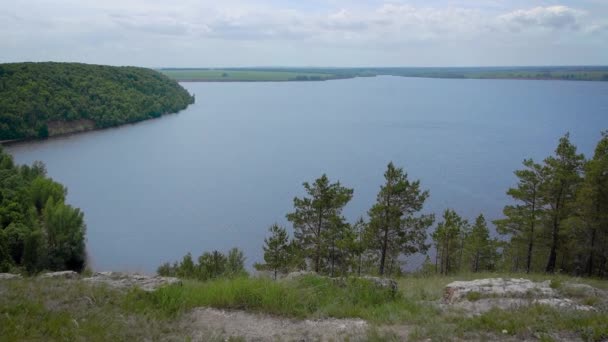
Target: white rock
60 275
126 280
4 276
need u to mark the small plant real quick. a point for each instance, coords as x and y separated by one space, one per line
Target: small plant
473 296
555 284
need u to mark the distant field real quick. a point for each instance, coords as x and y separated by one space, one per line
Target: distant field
570 73
227 75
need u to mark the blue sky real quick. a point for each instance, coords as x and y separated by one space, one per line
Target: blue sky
181 33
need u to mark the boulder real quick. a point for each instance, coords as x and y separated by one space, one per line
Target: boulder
459 290
481 295
60 275
4 276
121 280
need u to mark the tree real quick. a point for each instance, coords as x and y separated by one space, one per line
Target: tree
592 210
65 231
212 265
394 229
561 178
316 214
448 240
276 249
186 268
235 263
522 218
480 248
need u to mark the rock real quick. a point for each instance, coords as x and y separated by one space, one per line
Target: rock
383 283
60 275
580 290
125 280
4 276
481 295
459 290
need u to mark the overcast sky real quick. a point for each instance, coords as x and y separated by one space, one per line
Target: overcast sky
180 33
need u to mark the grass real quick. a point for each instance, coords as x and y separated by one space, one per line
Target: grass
35 309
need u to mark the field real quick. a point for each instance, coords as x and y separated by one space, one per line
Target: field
582 73
33 309
228 75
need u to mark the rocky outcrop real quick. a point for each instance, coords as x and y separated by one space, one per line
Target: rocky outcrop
60 275
121 280
481 295
4 276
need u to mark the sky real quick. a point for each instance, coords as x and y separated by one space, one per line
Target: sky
339 33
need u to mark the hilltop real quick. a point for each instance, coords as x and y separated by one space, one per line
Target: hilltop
38 100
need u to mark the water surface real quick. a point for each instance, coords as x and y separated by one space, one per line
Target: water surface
219 173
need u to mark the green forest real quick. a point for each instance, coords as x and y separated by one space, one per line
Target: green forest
38 230
38 100
557 223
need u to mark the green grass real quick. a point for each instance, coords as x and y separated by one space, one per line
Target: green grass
35 309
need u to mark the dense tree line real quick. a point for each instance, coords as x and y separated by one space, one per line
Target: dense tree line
210 265
38 230
558 222
32 95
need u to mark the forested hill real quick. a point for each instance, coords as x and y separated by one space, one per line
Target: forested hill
43 99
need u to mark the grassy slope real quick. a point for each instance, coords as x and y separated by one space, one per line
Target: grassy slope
70 310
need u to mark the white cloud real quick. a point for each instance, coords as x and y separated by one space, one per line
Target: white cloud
553 17
379 32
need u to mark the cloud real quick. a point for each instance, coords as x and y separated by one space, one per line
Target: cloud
553 17
374 30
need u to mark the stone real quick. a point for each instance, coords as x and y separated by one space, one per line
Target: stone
61 275
121 280
505 294
4 276
512 287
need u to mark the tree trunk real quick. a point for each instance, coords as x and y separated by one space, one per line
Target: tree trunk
531 241
554 235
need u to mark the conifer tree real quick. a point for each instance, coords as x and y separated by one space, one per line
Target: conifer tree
394 228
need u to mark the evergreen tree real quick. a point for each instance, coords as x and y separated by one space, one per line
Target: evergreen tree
592 211
394 229
480 248
448 238
235 263
561 177
522 219
276 250
315 215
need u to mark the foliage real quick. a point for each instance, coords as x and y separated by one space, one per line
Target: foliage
36 96
210 265
38 230
318 222
393 228
276 250
449 241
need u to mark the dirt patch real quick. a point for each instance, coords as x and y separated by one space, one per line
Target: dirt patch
259 327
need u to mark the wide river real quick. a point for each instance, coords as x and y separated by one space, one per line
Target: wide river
217 174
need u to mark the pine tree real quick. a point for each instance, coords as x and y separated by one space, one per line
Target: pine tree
394 229
561 177
315 215
276 249
480 248
592 211
523 218
448 238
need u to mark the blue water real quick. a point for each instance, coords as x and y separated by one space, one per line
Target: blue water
219 173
